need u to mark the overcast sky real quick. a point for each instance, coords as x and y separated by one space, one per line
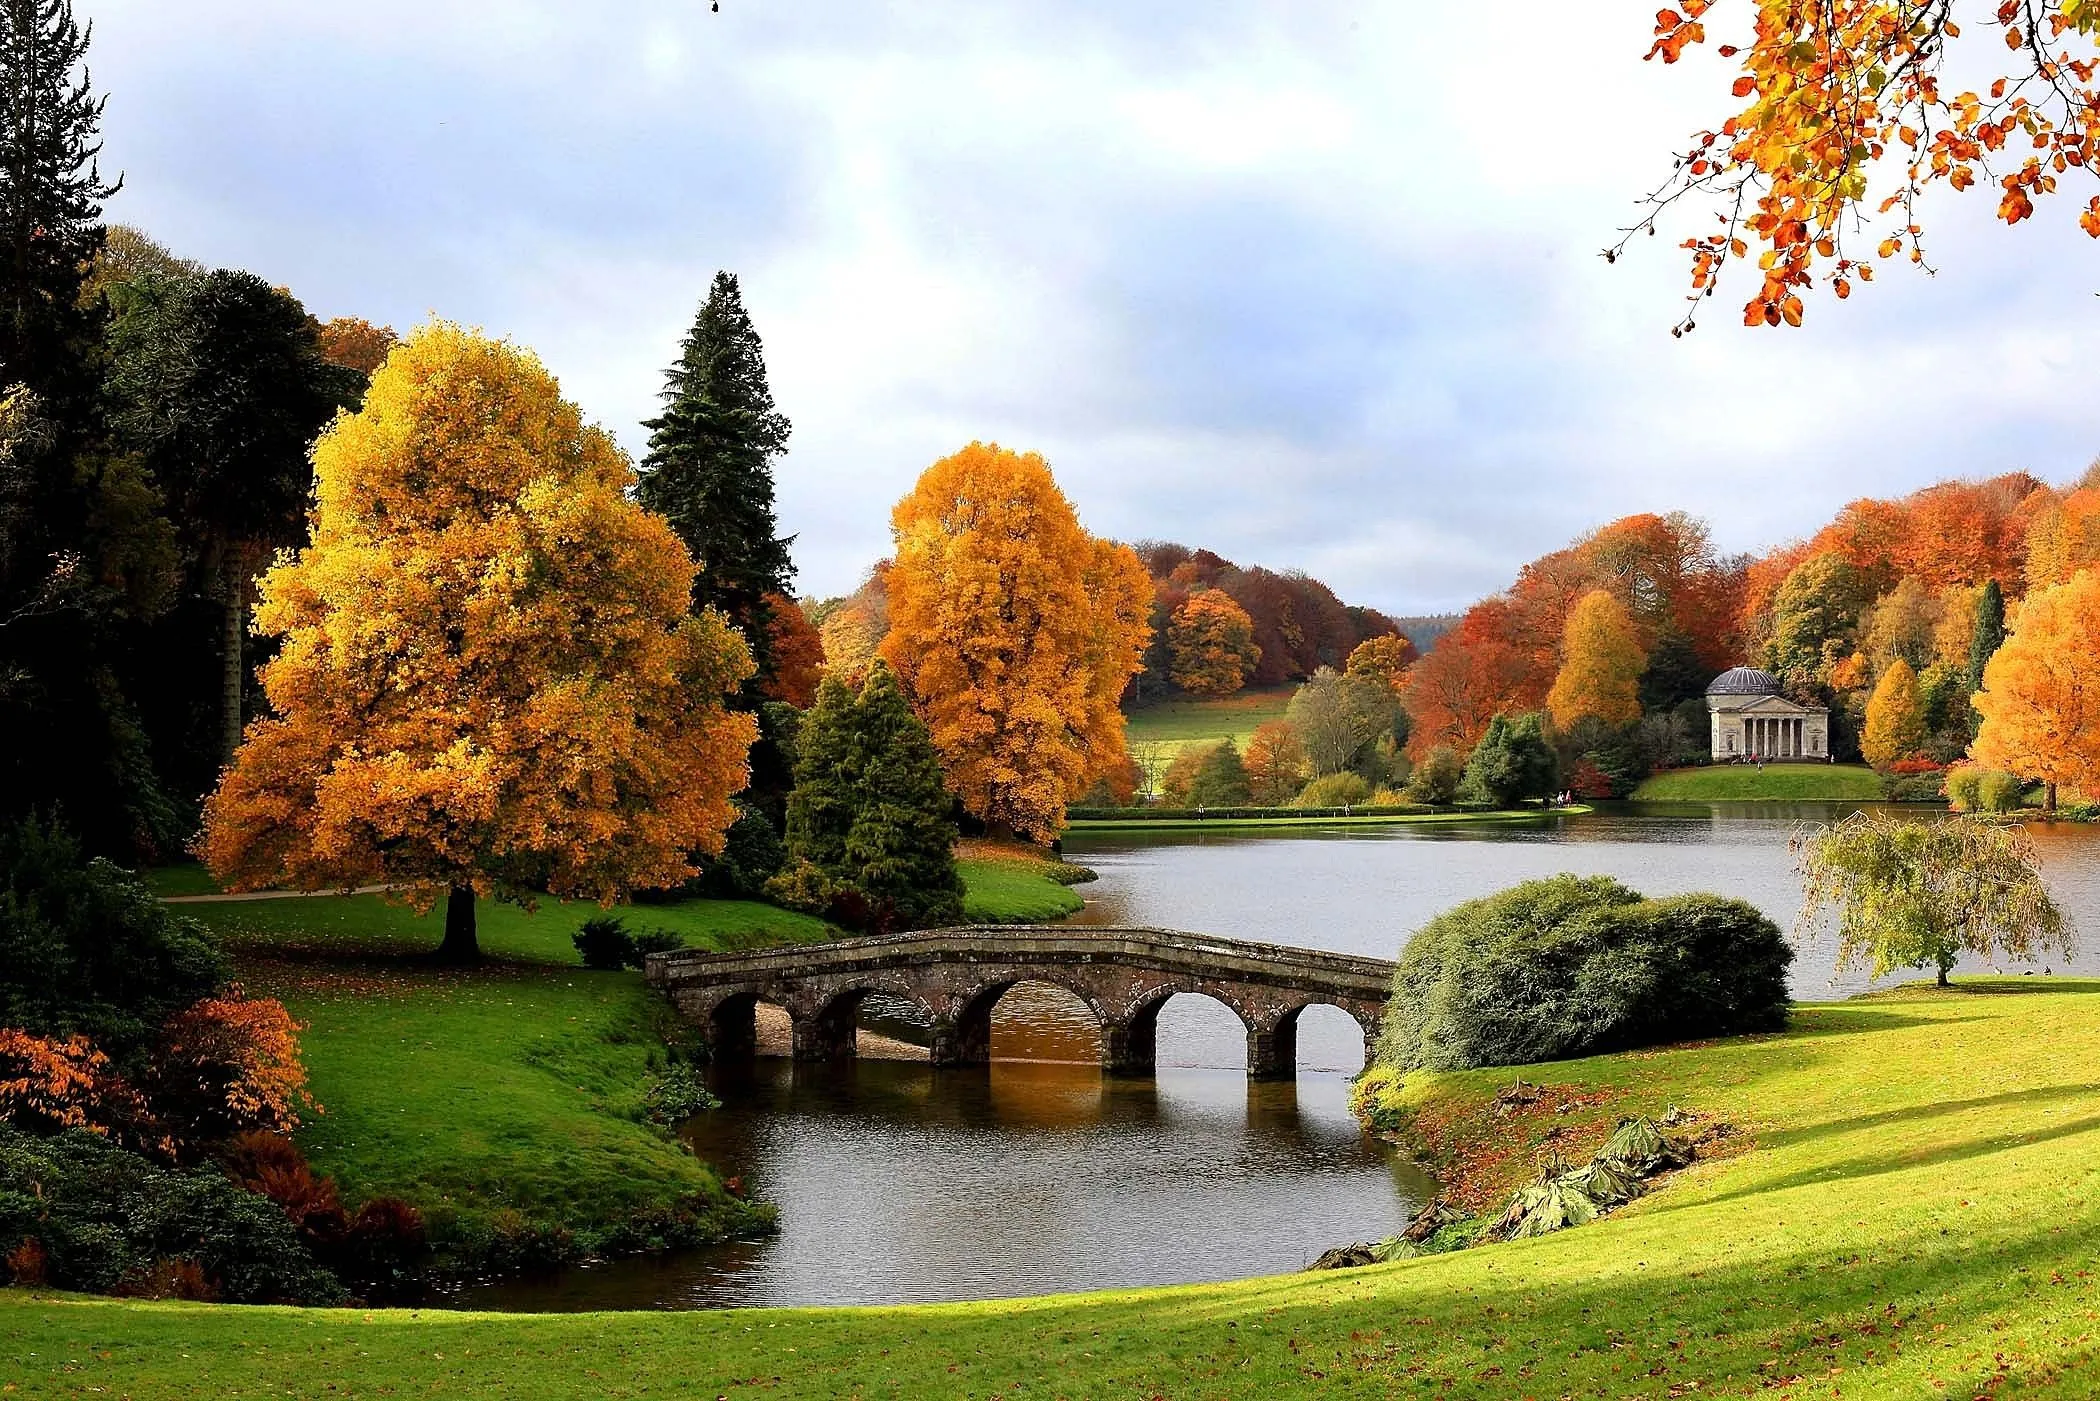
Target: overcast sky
1314 285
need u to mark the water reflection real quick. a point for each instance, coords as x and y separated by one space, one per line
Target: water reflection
900 1183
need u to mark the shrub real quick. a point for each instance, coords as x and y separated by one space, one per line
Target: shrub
1334 790
802 885
380 1252
228 1065
47 1085
86 948
1963 787
604 942
678 1094
650 941
1572 966
1435 780
103 1218
2000 791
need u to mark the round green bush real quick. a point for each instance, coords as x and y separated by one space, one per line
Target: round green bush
1333 791
1573 966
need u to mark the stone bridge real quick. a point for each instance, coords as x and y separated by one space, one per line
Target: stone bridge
954 976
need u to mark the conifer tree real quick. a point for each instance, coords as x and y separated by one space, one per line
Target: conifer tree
1989 635
1512 762
709 469
821 808
51 193
900 852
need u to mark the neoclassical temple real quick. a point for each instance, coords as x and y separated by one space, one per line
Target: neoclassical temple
1752 720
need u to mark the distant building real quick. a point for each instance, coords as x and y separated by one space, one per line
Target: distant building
1752 720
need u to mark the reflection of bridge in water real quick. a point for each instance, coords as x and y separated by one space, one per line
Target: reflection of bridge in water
955 976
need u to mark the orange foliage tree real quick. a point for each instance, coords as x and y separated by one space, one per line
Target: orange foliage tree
229 1065
1014 632
1472 674
356 344
797 652
53 1083
1895 727
1211 639
855 626
1275 763
2040 700
1835 91
487 680
1600 674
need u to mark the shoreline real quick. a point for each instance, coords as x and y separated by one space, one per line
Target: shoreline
1115 824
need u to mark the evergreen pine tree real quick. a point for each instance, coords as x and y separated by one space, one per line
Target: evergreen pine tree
1989 634
709 469
1222 781
900 853
1512 762
51 193
821 809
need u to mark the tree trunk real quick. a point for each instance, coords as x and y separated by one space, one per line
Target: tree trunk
1946 962
2049 802
233 673
460 946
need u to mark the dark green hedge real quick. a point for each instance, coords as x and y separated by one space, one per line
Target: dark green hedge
1151 814
1572 967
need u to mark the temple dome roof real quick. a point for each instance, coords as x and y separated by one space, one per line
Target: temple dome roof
1744 681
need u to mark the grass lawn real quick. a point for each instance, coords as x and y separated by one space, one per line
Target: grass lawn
1139 823
1742 783
1010 885
505 1100
1907 1211
1175 724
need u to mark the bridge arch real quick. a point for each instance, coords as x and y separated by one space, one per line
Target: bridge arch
827 1021
1135 1051
1272 1045
964 1035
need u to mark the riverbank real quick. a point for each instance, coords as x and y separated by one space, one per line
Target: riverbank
1014 883
505 1102
1909 1214
1283 819
1774 783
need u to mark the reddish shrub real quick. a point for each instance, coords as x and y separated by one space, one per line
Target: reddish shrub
381 1256
28 1263
227 1065
170 1279
1589 781
47 1084
271 1165
1914 766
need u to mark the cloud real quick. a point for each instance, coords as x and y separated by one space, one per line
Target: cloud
1313 285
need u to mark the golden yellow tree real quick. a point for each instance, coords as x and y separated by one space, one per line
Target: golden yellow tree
1601 663
1014 632
1211 640
487 682
2040 700
1895 727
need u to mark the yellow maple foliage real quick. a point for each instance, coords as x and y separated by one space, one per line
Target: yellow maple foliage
1014 633
2040 700
487 681
1601 664
1895 727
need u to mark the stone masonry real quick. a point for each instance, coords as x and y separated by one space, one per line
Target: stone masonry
954 976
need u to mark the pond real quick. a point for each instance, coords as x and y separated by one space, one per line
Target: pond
899 1183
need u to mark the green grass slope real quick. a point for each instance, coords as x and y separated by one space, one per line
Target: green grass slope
1175 724
1908 1211
503 1098
1743 783
1006 891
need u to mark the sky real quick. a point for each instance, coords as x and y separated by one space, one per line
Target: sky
1312 285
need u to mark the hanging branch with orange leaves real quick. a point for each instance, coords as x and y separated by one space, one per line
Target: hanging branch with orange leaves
1838 87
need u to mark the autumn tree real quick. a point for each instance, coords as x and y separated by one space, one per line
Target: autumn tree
1013 632
709 468
1386 657
1919 894
797 650
1473 673
488 680
2040 700
1221 781
1815 615
1835 94
1338 716
1275 763
1902 626
1895 726
1600 674
356 344
1211 639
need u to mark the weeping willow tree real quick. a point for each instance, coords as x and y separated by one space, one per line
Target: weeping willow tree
1916 894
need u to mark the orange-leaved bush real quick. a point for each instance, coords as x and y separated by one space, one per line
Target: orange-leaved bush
2040 700
487 681
1211 640
49 1083
1013 632
229 1065
1601 663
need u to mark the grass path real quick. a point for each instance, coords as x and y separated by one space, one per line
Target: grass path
1911 1214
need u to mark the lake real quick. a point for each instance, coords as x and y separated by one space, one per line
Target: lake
899 1183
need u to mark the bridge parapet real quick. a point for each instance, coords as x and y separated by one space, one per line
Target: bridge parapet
955 975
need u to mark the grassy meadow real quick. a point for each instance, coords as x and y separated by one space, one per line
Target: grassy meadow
1744 783
1902 1208
1174 725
